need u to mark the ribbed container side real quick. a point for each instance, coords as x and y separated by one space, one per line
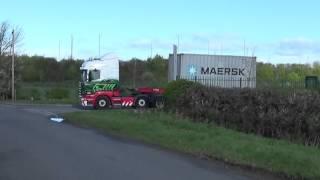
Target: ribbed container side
215 70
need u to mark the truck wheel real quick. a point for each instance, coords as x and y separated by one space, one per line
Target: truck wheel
102 103
141 102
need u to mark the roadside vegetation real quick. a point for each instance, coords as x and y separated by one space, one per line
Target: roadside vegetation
265 129
291 116
205 140
51 93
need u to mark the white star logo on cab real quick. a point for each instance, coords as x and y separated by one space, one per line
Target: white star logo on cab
192 70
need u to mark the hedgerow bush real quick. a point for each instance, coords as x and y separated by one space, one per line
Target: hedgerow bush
295 116
176 88
28 94
57 93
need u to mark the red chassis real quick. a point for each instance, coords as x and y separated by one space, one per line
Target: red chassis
119 98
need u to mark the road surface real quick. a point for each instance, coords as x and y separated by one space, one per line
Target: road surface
34 148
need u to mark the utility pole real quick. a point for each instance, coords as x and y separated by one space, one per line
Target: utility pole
99 44
151 51
208 47
71 57
59 51
244 48
134 73
178 43
12 70
254 51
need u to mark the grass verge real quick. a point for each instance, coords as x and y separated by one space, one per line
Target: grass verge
278 156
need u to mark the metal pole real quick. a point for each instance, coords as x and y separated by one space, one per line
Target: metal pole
151 50
71 56
175 59
99 44
12 69
59 51
208 47
178 43
244 48
134 73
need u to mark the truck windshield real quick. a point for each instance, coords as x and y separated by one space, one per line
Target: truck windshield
94 75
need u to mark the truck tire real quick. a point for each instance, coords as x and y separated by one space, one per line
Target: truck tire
102 103
141 102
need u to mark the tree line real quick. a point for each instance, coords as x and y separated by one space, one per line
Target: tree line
139 71
133 73
286 72
39 69
44 69
150 72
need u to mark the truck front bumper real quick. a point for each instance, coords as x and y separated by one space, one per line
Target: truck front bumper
87 101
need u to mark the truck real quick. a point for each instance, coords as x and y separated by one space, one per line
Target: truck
100 87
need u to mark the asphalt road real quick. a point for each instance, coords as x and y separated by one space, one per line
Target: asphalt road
34 148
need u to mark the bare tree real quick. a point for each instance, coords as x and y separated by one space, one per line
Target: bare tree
6 37
5 61
4 41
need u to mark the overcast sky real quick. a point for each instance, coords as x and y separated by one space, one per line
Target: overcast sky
273 30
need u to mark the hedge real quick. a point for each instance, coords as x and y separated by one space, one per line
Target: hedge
294 116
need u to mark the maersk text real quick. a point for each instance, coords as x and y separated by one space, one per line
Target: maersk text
222 71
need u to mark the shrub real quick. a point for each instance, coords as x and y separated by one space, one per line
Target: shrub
57 93
175 89
28 94
295 117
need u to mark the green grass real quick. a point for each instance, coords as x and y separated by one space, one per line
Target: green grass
39 102
42 92
234 147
